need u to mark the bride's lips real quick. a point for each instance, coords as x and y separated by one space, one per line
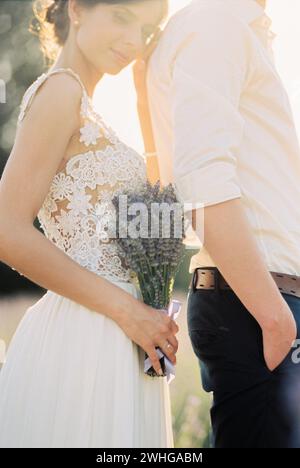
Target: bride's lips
120 57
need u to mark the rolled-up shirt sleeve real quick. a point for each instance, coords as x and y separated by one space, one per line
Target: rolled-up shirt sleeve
208 75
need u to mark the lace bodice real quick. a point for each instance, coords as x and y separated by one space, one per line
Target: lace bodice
77 211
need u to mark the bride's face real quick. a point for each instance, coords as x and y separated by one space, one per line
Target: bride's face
112 36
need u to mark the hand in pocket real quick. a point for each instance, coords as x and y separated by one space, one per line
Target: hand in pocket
278 339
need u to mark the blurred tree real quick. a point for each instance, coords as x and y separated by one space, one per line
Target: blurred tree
21 61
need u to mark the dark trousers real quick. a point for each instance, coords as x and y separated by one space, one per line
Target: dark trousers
253 407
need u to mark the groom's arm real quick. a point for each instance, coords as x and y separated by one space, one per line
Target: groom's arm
209 74
230 241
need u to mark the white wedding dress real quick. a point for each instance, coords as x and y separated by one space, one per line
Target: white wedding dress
72 378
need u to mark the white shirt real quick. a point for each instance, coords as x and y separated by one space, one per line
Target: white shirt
223 123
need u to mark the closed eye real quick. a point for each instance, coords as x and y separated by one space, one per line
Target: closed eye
121 18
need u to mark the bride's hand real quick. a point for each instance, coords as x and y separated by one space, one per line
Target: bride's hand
149 328
139 68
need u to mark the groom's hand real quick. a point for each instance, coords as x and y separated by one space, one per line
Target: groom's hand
278 337
229 239
139 68
149 328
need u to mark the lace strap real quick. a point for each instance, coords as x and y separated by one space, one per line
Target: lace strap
30 92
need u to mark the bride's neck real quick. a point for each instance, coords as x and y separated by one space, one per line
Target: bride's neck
70 58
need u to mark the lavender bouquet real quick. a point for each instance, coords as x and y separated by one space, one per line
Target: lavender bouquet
152 242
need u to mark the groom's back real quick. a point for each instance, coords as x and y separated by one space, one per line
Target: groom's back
179 31
223 124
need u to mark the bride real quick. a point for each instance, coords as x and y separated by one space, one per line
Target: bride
73 375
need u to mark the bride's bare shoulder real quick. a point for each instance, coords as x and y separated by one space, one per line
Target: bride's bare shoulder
61 84
57 95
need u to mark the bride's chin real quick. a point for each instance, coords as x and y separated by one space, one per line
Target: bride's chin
108 68
114 70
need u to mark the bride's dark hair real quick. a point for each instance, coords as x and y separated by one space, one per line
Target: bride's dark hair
51 22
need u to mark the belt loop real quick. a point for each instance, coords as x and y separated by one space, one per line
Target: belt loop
217 280
194 280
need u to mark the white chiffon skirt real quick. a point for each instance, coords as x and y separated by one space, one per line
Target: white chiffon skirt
72 378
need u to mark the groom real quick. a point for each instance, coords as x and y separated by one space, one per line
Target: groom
225 136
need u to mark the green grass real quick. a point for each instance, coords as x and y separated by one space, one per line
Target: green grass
190 403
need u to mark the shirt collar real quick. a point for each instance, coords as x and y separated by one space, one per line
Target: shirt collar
249 11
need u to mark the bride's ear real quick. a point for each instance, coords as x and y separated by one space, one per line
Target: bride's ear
74 12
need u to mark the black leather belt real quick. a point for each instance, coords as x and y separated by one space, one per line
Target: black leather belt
211 278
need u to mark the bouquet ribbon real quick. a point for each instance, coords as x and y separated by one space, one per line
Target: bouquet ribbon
173 312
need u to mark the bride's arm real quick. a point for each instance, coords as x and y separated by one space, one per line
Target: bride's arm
149 144
139 75
39 146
